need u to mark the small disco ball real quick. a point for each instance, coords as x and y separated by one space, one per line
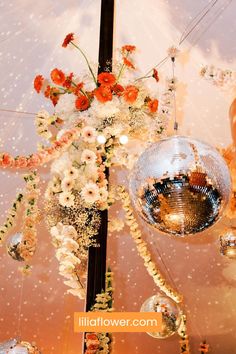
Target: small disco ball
13 346
180 185
171 315
228 244
13 247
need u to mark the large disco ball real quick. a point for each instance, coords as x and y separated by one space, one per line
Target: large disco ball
171 314
180 185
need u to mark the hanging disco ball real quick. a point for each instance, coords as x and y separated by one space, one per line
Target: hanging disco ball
13 346
180 185
228 244
171 314
13 247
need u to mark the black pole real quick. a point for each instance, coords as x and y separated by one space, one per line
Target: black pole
97 255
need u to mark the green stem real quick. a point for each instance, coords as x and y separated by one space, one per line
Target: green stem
90 69
142 78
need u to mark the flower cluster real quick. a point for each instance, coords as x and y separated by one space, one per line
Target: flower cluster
97 343
143 248
65 240
27 247
10 220
41 157
218 76
184 341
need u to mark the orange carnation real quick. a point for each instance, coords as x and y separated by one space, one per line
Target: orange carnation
82 103
153 105
38 83
128 63
106 79
69 38
58 77
130 94
128 48
103 94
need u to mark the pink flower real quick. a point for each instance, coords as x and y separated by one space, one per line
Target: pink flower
7 160
21 162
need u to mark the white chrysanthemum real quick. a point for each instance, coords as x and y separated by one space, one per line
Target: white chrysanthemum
103 194
90 193
88 157
60 165
66 199
67 184
89 134
104 110
65 104
71 173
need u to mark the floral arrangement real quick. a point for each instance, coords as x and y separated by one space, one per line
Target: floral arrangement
219 77
101 342
95 122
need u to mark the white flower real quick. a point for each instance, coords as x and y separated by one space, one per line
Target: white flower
69 231
55 185
88 156
70 244
90 192
62 253
173 52
77 292
89 134
67 184
60 165
65 104
115 224
72 284
56 231
103 194
66 199
72 173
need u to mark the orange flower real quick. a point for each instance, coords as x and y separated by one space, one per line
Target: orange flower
128 48
52 93
153 105
68 81
58 77
69 38
103 94
106 79
82 103
38 83
78 88
155 75
118 89
130 94
128 63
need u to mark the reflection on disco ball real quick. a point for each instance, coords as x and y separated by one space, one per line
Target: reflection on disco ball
180 185
228 244
13 346
171 314
13 247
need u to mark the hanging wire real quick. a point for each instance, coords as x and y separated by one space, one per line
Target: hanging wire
217 15
176 126
18 112
20 306
192 25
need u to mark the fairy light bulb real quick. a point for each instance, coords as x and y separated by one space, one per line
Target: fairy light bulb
123 139
101 139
